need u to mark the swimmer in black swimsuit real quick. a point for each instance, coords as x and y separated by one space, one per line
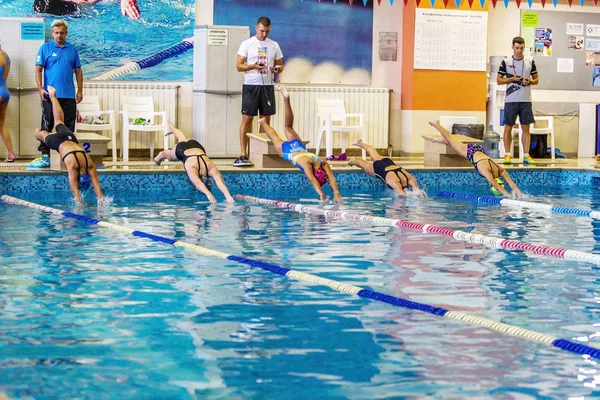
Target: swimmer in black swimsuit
80 166
129 8
484 165
396 177
196 163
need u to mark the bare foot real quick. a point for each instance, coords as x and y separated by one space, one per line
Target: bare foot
169 131
262 121
51 91
358 143
434 123
434 138
283 91
157 160
352 161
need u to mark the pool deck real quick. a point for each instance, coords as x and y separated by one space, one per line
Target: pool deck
225 165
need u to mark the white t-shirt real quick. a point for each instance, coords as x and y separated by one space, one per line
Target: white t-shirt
266 51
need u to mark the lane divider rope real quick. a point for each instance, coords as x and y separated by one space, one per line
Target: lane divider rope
496 326
521 204
498 242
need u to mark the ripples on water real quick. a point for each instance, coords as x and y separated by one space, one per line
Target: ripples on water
91 313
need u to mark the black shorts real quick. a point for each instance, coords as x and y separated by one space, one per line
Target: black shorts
63 134
258 99
521 109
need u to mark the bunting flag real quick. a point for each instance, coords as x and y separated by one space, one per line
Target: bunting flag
351 1
470 3
457 2
392 2
365 2
378 2
432 3
519 3
581 1
555 3
418 2
494 3
595 2
506 3
543 3
570 3
447 1
530 2
482 3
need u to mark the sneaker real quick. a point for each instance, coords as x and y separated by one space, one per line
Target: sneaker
242 161
507 159
528 160
40 162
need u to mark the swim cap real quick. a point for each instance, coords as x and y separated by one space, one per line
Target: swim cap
84 182
207 182
494 190
321 177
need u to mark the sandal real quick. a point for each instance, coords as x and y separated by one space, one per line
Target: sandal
9 160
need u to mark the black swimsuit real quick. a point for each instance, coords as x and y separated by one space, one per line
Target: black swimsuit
380 166
64 134
191 144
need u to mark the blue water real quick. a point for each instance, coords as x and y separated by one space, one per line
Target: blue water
106 40
86 312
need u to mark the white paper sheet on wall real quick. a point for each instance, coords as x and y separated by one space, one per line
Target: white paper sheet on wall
450 40
564 65
574 28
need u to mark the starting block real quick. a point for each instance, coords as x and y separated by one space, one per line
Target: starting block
263 153
94 145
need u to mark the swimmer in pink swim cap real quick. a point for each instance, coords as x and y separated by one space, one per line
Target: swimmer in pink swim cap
293 150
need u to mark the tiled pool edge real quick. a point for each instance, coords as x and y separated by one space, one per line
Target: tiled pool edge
16 182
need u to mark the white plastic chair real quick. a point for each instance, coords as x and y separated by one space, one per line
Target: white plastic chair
333 118
142 107
548 130
90 105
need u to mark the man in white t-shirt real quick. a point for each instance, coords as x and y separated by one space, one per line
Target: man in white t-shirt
518 73
259 58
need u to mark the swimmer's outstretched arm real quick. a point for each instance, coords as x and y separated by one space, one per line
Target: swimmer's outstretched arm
512 185
200 186
93 173
74 185
490 178
332 182
216 175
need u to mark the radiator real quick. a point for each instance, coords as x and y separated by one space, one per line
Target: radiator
165 99
373 102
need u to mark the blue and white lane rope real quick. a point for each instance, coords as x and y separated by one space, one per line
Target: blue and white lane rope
496 326
497 242
521 204
147 62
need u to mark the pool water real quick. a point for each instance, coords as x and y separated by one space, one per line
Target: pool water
87 312
106 40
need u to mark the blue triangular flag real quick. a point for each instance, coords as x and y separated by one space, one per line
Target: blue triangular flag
432 3
392 2
482 3
581 1
555 3
530 2
457 3
365 2
506 3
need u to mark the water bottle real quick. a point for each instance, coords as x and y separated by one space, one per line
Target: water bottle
491 142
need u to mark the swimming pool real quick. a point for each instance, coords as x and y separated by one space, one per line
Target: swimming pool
107 40
113 315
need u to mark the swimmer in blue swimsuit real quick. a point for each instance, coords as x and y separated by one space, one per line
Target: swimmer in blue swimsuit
485 166
394 176
197 165
293 150
80 167
4 98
